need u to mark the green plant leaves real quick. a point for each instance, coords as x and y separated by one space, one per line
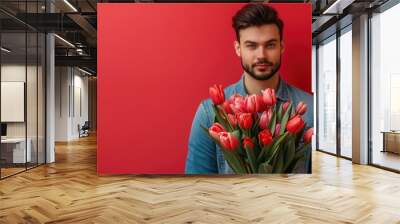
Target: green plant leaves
285 119
290 151
272 123
251 159
264 168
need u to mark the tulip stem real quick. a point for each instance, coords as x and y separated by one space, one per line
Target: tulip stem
275 147
222 118
252 159
225 117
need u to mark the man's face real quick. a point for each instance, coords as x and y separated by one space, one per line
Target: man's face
260 50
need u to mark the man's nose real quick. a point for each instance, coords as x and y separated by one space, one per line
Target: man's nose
261 53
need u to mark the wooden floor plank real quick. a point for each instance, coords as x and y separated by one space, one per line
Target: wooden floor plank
70 191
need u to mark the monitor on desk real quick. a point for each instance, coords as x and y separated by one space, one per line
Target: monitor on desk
3 130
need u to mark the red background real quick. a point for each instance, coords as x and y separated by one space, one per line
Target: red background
156 63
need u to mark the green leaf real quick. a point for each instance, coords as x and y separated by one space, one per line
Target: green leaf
251 159
256 122
220 119
292 165
264 151
289 152
238 135
298 162
278 163
257 149
293 110
301 151
299 157
279 115
225 117
276 147
264 168
248 168
299 135
268 150
272 123
233 162
241 162
285 119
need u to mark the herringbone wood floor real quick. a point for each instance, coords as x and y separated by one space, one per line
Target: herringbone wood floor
70 191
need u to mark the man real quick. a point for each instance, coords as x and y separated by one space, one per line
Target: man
259 46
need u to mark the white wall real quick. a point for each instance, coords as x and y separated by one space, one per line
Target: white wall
79 117
71 93
61 103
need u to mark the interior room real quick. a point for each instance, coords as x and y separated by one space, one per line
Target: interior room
57 166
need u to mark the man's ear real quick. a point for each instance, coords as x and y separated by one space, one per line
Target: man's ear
282 46
237 48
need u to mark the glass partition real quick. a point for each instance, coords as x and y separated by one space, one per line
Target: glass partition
346 93
14 153
327 95
22 77
385 89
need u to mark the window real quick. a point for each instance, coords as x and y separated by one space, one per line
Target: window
385 89
327 95
346 92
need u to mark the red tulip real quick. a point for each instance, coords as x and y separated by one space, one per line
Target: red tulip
265 137
308 135
238 104
232 120
228 141
251 102
254 103
234 97
269 97
217 94
295 124
227 107
215 129
248 143
245 121
301 108
285 107
277 129
265 118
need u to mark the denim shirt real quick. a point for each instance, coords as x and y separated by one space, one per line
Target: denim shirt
205 157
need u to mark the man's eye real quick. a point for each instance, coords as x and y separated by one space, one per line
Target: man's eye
271 46
251 46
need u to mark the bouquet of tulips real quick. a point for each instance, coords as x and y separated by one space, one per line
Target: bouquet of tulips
256 135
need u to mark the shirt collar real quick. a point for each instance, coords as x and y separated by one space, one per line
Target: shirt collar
281 94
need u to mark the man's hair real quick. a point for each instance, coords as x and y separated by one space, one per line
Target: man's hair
256 14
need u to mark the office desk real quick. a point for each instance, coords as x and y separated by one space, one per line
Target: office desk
391 141
13 150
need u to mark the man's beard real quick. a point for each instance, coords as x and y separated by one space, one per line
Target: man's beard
264 76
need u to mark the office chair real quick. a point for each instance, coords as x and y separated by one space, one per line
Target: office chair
84 130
